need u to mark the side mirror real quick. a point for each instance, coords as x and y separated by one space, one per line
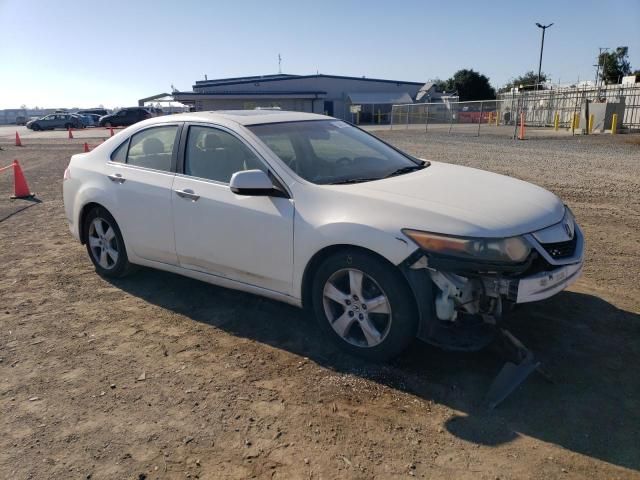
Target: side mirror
254 183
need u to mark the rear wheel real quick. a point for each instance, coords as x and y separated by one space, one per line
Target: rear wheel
364 304
105 244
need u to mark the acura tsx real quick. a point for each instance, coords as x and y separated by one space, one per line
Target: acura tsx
306 209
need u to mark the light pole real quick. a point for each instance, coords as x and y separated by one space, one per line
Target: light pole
544 28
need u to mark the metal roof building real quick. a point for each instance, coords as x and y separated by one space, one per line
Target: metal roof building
329 94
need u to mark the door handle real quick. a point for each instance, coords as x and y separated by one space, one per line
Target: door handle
187 193
116 178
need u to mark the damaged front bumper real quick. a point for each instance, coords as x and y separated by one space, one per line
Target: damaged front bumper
461 302
546 284
480 288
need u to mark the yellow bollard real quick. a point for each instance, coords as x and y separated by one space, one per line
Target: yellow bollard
497 119
576 121
614 124
556 121
591 121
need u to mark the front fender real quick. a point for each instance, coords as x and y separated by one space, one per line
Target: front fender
309 241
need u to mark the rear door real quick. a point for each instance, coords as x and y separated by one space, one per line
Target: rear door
244 238
142 170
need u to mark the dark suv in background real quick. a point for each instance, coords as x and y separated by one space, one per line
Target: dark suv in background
125 117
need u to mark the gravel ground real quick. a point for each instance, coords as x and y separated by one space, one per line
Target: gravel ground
159 376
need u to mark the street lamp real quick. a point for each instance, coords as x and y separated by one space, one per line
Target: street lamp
544 28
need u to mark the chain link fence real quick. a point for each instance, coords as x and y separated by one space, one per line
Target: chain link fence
472 118
564 110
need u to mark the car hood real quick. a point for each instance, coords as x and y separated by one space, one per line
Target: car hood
457 200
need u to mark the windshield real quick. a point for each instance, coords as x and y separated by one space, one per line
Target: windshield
332 151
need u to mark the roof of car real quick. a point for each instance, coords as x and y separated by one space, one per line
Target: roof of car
244 117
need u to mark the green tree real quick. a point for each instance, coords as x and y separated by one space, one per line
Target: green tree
525 82
470 85
614 65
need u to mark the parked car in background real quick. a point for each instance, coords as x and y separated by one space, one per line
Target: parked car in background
125 117
382 247
155 111
88 120
56 120
95 117
21 120
94 111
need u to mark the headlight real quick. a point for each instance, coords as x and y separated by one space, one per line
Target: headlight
569 222
513 249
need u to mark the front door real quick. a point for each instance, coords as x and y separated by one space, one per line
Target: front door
48 122
244 238
142 171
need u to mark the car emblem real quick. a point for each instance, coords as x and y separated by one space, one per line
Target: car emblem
568 228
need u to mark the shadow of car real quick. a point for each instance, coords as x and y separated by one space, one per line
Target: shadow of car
592 408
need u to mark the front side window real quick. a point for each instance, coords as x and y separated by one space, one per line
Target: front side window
153 148
332 151
216 155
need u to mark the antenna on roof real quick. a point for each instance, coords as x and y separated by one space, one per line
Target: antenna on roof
279 64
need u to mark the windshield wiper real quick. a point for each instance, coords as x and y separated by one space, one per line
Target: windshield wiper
354 180
407 169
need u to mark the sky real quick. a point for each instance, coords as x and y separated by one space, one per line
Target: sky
80 53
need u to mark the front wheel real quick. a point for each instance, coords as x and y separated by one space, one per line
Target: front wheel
105 244
364 304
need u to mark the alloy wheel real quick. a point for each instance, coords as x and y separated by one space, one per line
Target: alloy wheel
103 243
357 308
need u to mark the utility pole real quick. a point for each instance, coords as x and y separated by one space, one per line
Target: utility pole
279 64
544 28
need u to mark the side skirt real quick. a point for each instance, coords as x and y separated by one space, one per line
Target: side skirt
219 281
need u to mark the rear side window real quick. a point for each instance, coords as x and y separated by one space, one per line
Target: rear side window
120 154
153 148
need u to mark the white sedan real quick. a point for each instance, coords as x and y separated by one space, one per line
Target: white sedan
312 211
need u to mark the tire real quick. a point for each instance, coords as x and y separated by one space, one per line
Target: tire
106 266
377 331
35 127
107 124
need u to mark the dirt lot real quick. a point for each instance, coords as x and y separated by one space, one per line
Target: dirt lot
159 376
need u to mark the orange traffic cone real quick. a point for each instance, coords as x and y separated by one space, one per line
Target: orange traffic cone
18 141
20 187
86 147
111 130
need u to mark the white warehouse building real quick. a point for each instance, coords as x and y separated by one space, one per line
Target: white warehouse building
326 94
